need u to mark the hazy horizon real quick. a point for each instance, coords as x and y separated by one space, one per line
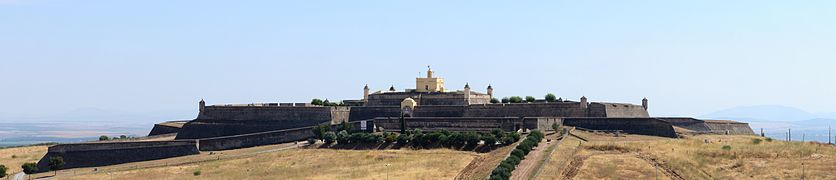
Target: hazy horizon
687 58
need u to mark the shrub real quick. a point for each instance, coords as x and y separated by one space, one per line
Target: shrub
518 153
390 137
320 130
345 126
551 97
514 136
539 135
489 140
726 147
530 99
329 137
756 141
103 138
471 138
3 171
343 137
29 168
768 139
196 173
506 100
311 141
514 160
498 133
515 99
404 138
524 147
507 140
494 100
317 102
555 127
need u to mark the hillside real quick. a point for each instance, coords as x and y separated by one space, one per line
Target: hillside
695 157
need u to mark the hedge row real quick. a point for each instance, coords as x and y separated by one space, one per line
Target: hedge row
503 171
418 138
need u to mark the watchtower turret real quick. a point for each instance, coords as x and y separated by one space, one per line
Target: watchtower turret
366 94
490 91
644 103
202 104
466 93
584 103
392 88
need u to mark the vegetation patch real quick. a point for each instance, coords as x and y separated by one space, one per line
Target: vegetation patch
503 171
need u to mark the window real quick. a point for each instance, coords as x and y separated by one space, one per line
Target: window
426 87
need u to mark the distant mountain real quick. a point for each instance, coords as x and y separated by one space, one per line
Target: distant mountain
766 113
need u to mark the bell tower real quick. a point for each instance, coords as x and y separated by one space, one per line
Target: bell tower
430 83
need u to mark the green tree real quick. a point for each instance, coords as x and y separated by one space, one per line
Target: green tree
56 163
556 127
489 140
345 126
515 99
530 99
494 100
316 102
103 138
123 137
3 171
726 147
320 130
343 137
506 100
329 137
29 168
551 97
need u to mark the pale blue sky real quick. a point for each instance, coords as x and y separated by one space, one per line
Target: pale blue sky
687 57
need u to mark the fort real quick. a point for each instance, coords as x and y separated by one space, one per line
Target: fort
430 106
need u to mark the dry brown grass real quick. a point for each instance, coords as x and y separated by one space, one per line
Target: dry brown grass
617 166
694 159
314 164
559 159
13 158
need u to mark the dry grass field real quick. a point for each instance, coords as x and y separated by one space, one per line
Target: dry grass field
693 157
13 158
312 164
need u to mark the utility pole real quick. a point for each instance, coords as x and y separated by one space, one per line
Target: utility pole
789 131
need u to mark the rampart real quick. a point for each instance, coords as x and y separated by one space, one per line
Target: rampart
167 128
269 137
643 126
729 127
463 124
710 126
217 121
110 153
616 110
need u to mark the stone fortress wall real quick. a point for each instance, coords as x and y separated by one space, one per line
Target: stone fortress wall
710 126
427 98
110 153
217 121
169 127
465 124
643 126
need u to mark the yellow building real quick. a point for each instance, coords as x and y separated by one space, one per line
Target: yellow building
430 83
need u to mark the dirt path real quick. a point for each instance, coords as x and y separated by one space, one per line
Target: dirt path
653 161
470 169
530 162
574 167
